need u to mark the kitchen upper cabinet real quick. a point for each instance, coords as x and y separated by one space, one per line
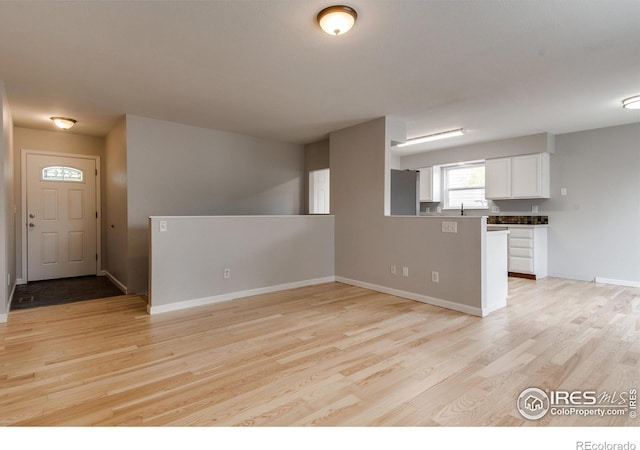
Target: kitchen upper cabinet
497 178
430 184
525 176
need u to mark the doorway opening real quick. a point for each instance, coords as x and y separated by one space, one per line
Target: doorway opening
61 230
319 191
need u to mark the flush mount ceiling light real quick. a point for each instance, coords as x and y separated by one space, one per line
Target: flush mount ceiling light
63 123
337 20
631 102
432 137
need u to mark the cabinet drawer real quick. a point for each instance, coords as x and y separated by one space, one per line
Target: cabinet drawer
522 243
517 264
521 233
521 252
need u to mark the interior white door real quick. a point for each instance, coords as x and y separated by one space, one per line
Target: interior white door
319 191
61 226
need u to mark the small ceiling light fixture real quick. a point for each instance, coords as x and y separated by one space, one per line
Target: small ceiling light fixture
337 20
631 102
432 137
64 123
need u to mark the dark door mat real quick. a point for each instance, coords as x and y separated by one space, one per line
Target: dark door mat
65 290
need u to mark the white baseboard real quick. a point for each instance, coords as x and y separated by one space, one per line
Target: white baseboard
3 318
21 281
115 281
234 295
418 297
617 282
13 291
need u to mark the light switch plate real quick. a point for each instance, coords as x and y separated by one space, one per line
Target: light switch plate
163 225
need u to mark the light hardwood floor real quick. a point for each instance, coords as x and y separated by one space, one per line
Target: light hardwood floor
325 355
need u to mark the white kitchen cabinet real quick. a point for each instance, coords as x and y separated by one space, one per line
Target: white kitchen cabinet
530 176
497 178
517 177
430 184
528 251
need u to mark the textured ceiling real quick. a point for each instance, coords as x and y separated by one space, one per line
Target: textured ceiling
264 68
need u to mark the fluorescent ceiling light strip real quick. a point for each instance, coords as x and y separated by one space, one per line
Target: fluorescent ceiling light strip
432 137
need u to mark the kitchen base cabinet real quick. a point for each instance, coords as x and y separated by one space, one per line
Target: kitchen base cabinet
528 252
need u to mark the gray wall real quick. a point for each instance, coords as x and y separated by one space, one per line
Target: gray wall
116 231
61 142
594 229
316 157
180 170
524 145
368 243
188 260
7 220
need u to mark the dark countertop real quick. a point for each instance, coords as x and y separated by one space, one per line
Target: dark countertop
517 220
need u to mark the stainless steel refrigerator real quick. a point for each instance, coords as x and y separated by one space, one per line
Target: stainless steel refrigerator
404 193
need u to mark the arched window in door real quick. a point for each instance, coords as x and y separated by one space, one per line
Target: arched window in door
60 173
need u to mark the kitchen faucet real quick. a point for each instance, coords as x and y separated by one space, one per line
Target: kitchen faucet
462 209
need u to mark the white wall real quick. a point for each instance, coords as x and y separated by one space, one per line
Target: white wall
7 206
368 243
60 142
264 253
180 170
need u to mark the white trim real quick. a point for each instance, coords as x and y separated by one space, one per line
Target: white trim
21 281
23 194
114 280
3 318
234 295
417 297
618 282
13 291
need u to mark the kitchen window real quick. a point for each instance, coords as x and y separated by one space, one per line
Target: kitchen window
464 186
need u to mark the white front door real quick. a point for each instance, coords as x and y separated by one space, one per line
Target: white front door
61 226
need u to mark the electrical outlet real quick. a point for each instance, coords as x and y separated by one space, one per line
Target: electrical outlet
405 271
163 225
428 210
534 209
394 271
435 277
563 191
227 274
438 209
495 209
449 227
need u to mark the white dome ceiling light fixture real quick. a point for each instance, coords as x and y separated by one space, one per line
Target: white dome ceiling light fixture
64 123
631 102
337 20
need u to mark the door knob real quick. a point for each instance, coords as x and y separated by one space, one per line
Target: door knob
32 216
31 225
